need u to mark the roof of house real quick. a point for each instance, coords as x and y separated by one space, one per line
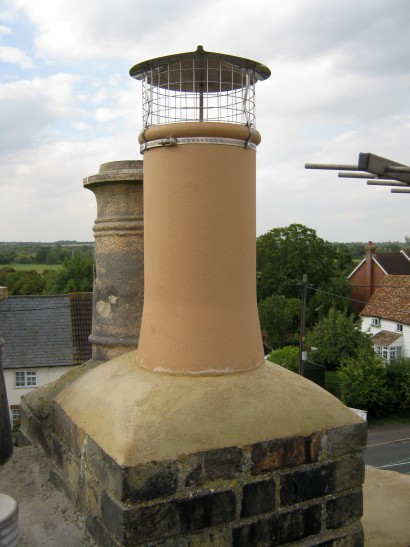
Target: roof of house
393 263
385 337
45 331
390 263
391 300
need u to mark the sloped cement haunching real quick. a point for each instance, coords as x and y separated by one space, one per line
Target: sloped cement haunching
137 416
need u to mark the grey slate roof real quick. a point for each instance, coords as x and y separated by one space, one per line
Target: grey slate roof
393 263
38 332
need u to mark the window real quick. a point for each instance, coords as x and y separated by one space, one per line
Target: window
26 378
395 352
15 416
382 351
399 327
375 322
388 354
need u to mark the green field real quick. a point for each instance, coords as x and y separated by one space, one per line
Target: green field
29 267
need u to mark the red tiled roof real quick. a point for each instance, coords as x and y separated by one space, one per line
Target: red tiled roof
391 300
385 338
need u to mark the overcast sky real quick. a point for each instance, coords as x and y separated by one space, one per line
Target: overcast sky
340 85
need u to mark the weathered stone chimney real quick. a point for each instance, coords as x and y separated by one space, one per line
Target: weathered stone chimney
118 258
193 439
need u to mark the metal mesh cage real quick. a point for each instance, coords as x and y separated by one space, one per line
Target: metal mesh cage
199 87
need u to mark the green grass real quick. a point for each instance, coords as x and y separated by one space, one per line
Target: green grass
29 267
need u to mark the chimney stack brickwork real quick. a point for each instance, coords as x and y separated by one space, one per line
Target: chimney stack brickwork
118 258
369 252
302 488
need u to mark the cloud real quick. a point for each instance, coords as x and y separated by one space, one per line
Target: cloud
28 108
339 86
5 30
42 188
15 55
73 28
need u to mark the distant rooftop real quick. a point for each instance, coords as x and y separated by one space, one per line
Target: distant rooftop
394 263
391 300
46 331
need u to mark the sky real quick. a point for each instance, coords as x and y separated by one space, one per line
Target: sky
340 85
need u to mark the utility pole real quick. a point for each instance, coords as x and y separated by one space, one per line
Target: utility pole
302 338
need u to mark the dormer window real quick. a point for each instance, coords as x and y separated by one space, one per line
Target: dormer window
399 327
375 322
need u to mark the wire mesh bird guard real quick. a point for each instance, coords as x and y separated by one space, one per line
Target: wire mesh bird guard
199 86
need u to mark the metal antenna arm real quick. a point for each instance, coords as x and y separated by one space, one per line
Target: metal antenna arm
377 170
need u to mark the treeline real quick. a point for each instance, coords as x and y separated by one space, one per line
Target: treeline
357 249
40 253
74 272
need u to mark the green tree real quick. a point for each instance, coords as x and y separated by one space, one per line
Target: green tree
24 259
356 249
76 275
332 294
287 357
22 283
285 254
363 383
344 259
42 253
398 381
277 318
7 256
336 337
57 254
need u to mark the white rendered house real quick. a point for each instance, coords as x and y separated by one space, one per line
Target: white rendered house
387 318
43 338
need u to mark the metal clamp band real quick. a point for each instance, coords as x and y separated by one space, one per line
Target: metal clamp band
196 140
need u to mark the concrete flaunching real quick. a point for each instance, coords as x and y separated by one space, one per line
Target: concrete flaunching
228 462
193 439
288 489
